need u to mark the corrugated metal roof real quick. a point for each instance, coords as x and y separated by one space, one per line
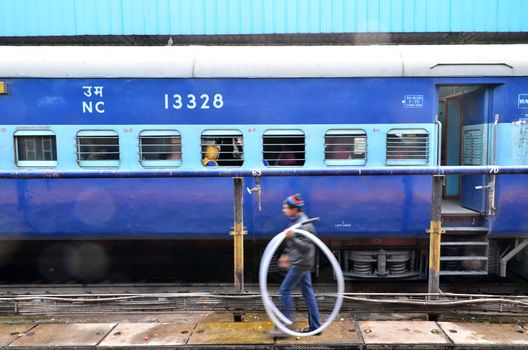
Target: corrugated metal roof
239 17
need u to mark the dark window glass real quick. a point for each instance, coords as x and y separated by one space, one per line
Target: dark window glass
222 148
283 149
403 145
36 148
162 147
342 145
92 148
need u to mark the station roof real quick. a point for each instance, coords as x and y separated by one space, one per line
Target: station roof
228 22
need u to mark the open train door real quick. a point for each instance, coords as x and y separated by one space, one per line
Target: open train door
474 147
464 113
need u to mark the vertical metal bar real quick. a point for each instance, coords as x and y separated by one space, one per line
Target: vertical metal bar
238 235
435 235
491 189
504 260
439 142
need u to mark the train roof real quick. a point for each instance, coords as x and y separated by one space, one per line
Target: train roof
262 61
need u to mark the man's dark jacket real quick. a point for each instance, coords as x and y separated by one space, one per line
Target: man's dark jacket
300 249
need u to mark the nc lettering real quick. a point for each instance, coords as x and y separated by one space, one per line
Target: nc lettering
88 107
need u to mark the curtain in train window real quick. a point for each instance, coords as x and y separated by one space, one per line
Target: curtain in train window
407 147
345 147
35 148
222 148
160 148
98 148
283 148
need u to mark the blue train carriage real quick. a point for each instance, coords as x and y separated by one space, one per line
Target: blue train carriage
201 108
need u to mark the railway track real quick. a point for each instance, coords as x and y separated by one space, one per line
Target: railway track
148 298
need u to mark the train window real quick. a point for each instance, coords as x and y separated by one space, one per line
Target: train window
160 148
222 148
98 148
283 148
345 147
35 148
472 147
407 147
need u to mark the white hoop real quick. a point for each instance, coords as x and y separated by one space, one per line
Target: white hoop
273 312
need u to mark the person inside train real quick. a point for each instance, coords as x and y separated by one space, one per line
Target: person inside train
299 258
211 154
338 151
100 153
340 147
175 150
286 157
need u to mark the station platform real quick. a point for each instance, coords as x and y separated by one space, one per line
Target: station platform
214 330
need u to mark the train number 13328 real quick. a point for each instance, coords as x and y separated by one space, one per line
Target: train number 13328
192 101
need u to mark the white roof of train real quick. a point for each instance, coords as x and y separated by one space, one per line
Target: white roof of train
263 61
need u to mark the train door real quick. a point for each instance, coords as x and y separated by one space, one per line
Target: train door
464 112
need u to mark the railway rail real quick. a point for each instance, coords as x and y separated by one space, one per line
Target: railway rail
77 299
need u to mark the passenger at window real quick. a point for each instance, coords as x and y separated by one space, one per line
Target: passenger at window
338 152
99 153
175 149
286 157
237 147
211 156
398 148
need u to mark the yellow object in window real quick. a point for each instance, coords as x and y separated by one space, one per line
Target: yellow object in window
3 88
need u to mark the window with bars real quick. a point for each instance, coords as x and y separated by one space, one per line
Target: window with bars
35 148
98 148
160 148
472 147
345 147
407 147
222 148
283 148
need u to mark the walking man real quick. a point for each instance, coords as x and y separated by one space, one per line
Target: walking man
299 258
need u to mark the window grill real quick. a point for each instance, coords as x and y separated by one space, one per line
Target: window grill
160 148
222 148
98 148
284 148
347 146
407 147
472 147
35 148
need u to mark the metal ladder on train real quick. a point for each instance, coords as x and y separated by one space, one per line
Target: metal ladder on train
464 245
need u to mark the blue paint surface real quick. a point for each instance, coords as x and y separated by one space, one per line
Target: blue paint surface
257 101
202 208
475 107
511 202
475 111
244 101
354 207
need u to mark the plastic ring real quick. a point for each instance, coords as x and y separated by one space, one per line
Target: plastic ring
273 312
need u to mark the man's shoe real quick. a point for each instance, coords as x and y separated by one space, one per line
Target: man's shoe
277 333
307 330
